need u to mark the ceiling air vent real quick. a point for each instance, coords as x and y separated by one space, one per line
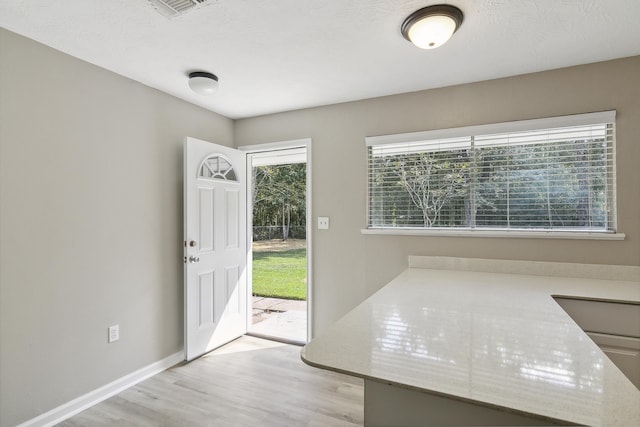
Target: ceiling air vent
173 8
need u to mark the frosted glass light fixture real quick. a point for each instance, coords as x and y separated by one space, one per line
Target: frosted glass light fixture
203 83
432 26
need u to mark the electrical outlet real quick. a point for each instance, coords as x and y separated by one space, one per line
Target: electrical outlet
323 223
114 333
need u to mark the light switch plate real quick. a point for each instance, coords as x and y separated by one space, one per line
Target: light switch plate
114 333
323 223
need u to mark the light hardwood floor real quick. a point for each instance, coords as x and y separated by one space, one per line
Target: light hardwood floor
249 382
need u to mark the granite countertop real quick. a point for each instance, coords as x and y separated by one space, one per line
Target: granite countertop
492 339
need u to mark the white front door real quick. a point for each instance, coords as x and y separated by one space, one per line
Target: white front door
215 255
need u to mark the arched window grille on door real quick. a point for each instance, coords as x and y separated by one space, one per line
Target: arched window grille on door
217 166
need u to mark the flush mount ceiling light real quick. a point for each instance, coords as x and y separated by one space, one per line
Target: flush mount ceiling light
432 26
203 83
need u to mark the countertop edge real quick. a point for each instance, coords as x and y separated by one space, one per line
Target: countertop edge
555 421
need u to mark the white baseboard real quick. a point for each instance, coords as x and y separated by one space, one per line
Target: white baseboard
83 402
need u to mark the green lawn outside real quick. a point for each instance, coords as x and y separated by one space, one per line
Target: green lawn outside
280 274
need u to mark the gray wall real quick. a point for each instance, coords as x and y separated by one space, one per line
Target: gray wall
90 224
350 266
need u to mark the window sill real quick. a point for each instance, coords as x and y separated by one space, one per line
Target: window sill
521 234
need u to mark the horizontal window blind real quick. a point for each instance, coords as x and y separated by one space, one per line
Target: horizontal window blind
533 177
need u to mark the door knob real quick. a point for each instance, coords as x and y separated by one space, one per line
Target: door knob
192 243
194 259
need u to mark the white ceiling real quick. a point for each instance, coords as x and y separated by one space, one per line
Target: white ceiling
278 55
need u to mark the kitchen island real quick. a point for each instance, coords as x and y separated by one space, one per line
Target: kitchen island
443 344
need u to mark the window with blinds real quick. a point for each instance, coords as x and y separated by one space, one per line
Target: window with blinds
545 174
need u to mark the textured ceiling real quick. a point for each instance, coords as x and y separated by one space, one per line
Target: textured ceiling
280 55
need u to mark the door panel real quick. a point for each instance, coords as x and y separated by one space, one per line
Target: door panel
206 313
205 212
232 215
233 305
215 246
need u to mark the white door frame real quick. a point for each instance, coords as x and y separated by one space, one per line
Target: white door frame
275 146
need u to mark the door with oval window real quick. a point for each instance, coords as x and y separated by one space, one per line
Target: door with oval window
215 280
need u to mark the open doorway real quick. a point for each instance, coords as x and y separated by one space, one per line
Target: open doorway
279 241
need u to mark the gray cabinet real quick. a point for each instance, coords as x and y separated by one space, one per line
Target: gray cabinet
614 327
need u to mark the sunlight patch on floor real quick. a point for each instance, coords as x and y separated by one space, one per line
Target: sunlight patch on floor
245 343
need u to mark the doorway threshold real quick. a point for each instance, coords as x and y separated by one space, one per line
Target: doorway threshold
277 339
